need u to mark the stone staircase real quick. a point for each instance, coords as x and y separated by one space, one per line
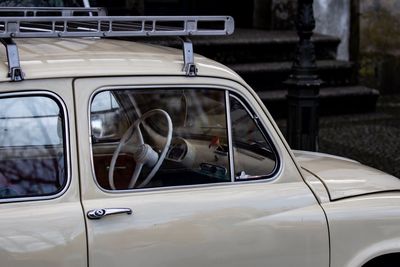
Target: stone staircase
264 60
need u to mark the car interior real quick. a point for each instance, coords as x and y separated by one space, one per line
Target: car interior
171 137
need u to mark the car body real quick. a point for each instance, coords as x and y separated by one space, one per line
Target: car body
112 156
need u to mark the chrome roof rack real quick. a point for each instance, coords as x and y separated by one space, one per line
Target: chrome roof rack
91 22
14 68
51 11
105 26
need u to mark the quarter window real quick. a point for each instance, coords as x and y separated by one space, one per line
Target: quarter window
253 155
32 154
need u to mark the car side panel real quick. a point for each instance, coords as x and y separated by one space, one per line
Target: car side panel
42 234
260 224
46 232
363 228
275 223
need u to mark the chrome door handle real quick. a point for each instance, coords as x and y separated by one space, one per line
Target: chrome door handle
100 213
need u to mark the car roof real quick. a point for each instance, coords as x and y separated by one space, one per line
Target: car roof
87 57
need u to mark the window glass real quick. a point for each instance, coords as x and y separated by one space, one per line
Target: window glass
253 155
107 119
32 156
28 121
104 102
163 138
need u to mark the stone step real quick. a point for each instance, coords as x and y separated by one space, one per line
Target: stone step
333 100
271 75
251 45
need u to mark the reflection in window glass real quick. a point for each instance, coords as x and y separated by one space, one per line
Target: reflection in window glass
253 155
197 153
32 159
106 120
104 101
28 121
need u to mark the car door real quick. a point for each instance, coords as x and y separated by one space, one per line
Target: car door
41 215
190 175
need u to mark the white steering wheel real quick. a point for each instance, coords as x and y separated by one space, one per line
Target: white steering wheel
143 153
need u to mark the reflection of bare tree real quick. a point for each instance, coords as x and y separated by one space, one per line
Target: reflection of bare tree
32 161
33 172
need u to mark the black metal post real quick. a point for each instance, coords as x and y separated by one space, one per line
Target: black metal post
303 85
354 44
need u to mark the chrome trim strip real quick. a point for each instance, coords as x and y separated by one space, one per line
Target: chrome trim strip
230 142
277 173
67 145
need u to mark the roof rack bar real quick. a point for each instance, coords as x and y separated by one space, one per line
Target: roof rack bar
69 22
92 26
52 11
14 68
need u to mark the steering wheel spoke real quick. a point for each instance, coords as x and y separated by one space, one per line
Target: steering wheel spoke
143 153
135 175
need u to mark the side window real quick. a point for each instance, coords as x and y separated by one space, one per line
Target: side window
32 154
107 119
253 155
170 137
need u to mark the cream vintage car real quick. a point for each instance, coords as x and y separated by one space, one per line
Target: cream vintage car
116 153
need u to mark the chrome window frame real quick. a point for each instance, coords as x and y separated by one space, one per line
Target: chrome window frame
227 91
256 119
230 142
66 146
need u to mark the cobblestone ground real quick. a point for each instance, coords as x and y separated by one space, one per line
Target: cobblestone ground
372 139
